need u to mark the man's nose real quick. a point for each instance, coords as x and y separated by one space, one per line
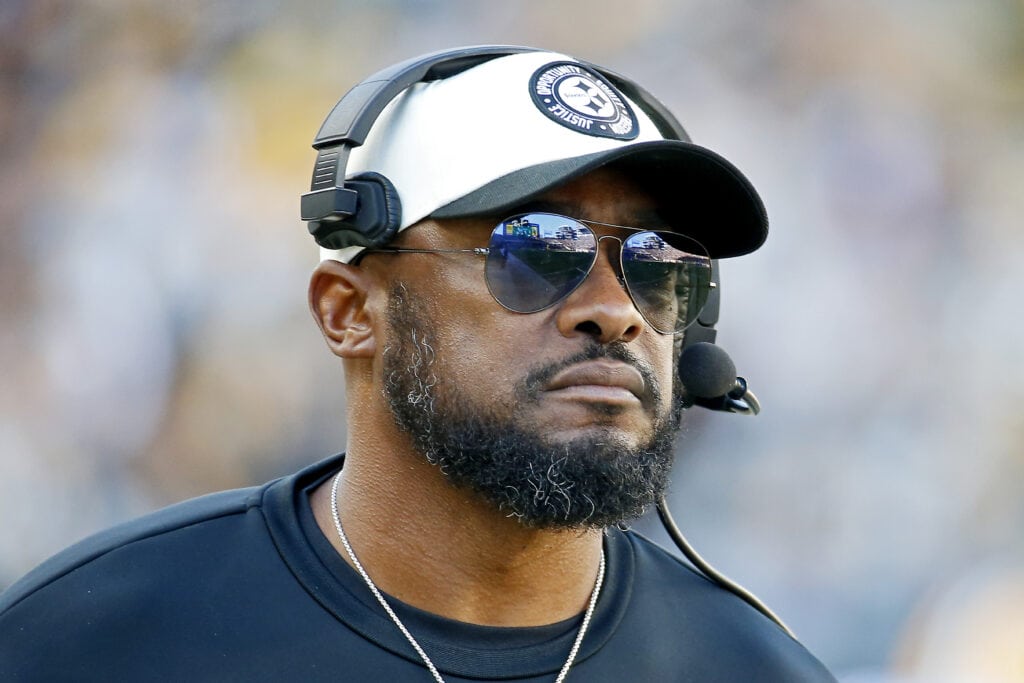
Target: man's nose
601 306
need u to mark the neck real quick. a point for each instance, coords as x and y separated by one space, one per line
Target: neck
446 551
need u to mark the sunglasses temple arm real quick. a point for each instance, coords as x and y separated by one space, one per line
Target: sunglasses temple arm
481 251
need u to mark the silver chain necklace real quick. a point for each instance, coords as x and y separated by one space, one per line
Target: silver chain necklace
405 632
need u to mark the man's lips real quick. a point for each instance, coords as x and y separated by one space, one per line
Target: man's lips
599 379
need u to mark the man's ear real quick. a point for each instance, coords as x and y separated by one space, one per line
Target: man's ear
338 298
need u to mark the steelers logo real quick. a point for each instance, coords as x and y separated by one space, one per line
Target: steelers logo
582 94
577 98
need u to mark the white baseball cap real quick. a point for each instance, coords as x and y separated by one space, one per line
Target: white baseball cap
484 141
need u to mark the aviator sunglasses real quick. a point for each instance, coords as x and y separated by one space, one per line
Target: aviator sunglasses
536 260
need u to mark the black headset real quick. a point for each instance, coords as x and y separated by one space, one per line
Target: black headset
366 210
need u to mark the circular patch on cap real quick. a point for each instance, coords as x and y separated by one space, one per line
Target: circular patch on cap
579 99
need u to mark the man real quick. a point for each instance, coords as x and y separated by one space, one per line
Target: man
514 247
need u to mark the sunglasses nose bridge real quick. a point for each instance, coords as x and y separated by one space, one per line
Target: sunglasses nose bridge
615 260
602 238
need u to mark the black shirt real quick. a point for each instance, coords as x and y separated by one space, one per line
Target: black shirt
243 586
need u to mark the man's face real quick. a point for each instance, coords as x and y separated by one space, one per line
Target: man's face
562 418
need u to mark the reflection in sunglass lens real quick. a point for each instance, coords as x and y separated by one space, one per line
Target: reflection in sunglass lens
537 259
667 277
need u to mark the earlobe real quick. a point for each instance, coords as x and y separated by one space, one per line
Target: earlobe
338 301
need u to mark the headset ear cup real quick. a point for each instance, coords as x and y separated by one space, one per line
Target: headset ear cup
389 209
377 218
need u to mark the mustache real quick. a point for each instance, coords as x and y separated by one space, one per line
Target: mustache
538 377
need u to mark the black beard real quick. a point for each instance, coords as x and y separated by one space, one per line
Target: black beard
588 482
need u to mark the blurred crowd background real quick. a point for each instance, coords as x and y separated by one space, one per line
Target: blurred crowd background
155 340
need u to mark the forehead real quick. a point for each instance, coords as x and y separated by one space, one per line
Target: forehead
607 195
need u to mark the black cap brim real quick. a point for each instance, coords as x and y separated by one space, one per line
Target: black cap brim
701 193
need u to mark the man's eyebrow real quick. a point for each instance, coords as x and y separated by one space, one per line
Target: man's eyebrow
646 219
570 209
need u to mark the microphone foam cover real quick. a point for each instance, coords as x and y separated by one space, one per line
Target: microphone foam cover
706 370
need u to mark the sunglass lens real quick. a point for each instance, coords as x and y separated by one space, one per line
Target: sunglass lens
536 259
669 278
